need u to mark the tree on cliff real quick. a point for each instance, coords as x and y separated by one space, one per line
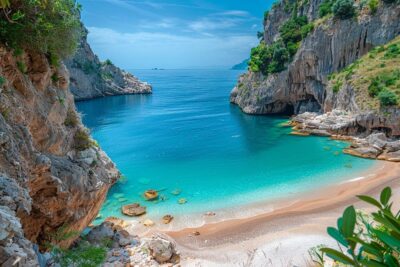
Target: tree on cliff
50 27
344 9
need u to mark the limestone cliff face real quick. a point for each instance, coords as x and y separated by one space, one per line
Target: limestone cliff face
90 78
51 173
331 46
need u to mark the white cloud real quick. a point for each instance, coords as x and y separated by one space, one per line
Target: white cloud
238 13
148 50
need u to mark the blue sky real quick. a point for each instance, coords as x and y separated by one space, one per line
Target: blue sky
147 34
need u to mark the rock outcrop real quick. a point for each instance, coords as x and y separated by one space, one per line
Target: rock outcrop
90 78
52 174
126 249
330 47
347 126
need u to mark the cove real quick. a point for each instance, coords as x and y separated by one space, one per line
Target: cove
186 137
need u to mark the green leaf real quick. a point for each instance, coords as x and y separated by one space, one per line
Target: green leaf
333 232
385 195
388 222
391 261
372 251
17 16
371 201
337 256
340 223
372 263
391 241
349 221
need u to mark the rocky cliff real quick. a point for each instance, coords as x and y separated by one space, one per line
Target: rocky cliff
330 47
52 173
90 78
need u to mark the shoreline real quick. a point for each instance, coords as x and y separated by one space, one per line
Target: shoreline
285 229
197 219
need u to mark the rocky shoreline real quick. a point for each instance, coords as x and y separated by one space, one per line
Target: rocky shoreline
90 78
336 124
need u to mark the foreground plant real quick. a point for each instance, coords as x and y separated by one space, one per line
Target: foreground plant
82 254
363 242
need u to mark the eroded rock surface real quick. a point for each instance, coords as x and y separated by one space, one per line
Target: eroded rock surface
330 47
52 173
126 249
91 78
367 142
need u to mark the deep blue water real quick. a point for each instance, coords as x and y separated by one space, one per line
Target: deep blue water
187 136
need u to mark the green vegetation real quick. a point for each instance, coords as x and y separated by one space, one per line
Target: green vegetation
82 140
336 87
393 51
373 6
108 62
343 9
107 76
82 254
272 58
22 67
54 77
266 14
2 81
72 119
365 240
387 98
325 8
50 27
375 77
89 67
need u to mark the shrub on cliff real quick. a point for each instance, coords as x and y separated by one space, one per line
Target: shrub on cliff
272 58
50 27
82 253
366 240
373 6
325 8
268 58
344 9
387 98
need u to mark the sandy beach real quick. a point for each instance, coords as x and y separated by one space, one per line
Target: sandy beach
283 236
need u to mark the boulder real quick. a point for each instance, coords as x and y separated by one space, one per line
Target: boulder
101 232
161 249
133 210
363 152
151 194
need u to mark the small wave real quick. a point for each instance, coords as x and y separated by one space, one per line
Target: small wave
355 179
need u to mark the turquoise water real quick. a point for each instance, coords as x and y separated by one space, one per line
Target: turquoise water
187 136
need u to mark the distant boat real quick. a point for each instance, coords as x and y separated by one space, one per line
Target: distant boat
242 65
157 69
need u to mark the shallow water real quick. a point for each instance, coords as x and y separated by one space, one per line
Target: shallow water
187 138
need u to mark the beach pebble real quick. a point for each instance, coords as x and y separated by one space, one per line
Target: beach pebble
148 223
196 233
167 219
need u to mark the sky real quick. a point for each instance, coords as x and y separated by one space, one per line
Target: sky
173 34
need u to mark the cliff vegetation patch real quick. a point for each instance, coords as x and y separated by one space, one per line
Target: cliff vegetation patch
49 27
375 77
272 58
